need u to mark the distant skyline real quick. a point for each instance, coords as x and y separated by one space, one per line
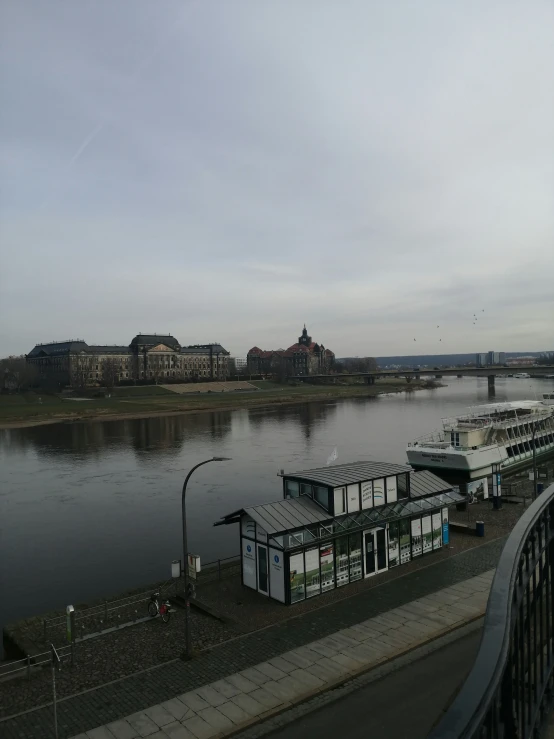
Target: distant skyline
230 171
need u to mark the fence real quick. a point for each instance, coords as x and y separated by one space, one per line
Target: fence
25 666
511 685
111 615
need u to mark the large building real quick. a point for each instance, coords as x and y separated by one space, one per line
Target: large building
148 358
306 357
490 359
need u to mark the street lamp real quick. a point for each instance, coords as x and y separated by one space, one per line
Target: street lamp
534 461
188 643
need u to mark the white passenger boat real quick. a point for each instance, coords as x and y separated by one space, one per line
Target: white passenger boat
498 435
522 375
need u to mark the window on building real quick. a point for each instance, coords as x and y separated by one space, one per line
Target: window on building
394 546
321 496
404 531
340 501
402 485
327 566
292 489
311 563
306 490
297 579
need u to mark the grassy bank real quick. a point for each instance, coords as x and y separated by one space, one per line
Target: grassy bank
31 408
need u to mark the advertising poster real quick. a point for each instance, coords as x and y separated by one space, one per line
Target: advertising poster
427 534
405 547
416 537
327 566
367 494
392 492
378 492
394 548
297 588
249 564
478 488
437 531
312 572
445 535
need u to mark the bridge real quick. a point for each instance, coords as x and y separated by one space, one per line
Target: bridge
489 372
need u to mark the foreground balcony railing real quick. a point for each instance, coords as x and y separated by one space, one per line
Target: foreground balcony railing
509 691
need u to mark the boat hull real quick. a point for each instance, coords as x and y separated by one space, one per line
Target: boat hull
473 464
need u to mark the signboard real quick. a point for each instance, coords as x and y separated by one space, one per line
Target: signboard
478 488
416 537
426 533
353 498
496 485
445 534
249 564
194 565
378 492
392 492
367 494
276 574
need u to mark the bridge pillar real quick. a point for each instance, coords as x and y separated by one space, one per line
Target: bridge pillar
490 379
438 377
369 380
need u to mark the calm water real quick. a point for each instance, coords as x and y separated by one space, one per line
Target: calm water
92 509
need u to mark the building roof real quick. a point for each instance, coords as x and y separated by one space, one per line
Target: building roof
100 349
59 347
295 514
204 349
153 339
424 482
346 474
283 515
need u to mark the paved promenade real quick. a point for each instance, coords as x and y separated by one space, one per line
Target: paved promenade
132 704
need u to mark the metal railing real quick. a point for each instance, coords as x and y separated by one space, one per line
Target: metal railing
25 666
511 685
125 611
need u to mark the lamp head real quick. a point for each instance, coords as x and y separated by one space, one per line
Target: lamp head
221 459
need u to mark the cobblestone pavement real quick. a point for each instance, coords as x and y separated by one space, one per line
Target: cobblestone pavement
133 694
268 688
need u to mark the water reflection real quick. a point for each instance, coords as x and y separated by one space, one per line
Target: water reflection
87 509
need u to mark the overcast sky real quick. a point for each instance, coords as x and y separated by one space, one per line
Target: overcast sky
226 170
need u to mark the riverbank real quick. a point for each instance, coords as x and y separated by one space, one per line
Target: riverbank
30 409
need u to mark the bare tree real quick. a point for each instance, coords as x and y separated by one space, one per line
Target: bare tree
81 367
18 373
359 364
110 372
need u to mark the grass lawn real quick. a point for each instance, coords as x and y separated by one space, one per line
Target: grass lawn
31 407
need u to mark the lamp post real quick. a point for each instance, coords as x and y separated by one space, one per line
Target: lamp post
187 654
534 461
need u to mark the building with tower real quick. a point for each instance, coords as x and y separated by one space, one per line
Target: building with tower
305 357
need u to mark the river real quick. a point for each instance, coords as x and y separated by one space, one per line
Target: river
91 509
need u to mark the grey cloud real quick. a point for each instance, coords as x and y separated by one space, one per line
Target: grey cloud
363 167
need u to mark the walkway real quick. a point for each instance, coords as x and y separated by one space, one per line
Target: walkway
135 694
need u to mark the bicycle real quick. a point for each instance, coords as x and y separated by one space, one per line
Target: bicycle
158 607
